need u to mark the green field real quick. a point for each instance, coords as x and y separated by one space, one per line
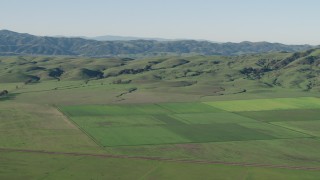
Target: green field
165 123
268 104
307 127
78 108
74 137
208 118
31 126
48 166
108 121
157 130
189 107
114 110
283 115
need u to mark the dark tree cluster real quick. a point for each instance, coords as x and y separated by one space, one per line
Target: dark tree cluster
4 93
254 73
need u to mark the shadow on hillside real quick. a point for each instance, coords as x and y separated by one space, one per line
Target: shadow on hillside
9 97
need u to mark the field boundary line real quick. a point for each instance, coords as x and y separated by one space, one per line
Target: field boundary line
243 164
294 130
151 170
82 130
165 108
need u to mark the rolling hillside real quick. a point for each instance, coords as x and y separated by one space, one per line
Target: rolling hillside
200 74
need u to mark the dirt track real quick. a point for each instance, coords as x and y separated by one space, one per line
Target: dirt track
244 164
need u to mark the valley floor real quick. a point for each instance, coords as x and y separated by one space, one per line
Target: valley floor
73 130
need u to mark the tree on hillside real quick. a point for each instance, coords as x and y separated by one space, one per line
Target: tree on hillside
4 93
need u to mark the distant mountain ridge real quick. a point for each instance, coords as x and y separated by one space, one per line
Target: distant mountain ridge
125 38
13 43
117 38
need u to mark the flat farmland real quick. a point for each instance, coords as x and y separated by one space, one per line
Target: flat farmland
160 140
40 127
113 121
105 110
135 135
55 166
267 104
208 118
194 107
308 127
283 115
181 123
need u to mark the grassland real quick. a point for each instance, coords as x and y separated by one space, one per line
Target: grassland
175 125
196 131
30 126
48 166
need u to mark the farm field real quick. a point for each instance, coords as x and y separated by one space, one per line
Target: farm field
172 123
40 127
207 139
268 104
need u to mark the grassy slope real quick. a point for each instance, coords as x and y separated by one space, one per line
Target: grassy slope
194 75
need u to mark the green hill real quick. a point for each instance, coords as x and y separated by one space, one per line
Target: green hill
202 74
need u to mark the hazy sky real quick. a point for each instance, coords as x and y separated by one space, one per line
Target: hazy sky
286 21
